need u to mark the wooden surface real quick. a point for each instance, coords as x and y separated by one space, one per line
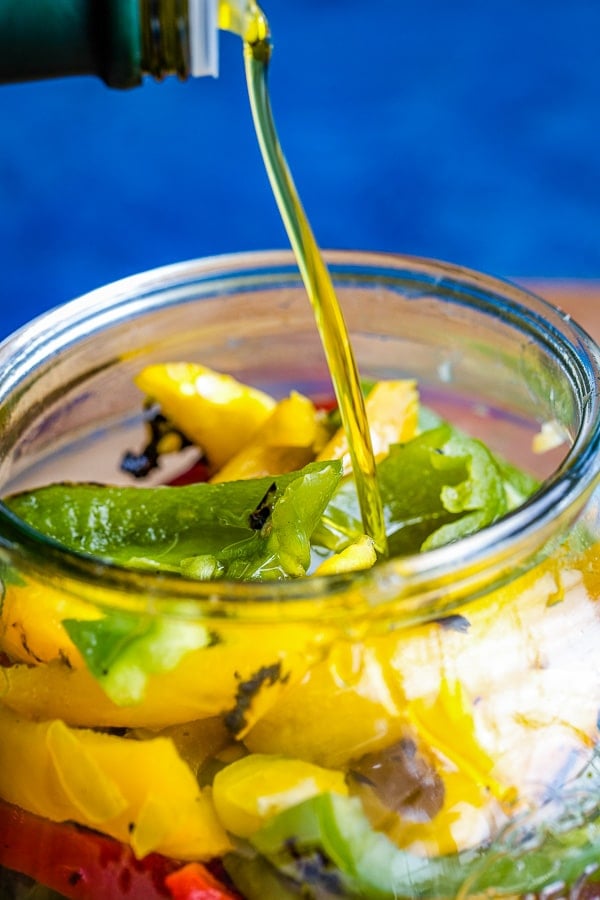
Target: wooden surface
581 299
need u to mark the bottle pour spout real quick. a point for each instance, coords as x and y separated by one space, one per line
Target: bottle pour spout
204 47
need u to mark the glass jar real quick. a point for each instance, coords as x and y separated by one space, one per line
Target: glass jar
428 727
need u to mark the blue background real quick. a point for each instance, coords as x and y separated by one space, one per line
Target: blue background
463 130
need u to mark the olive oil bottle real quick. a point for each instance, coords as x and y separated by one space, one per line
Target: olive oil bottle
119 41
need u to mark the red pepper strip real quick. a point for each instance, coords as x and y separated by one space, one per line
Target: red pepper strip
76 862
198 472
195 882
325 404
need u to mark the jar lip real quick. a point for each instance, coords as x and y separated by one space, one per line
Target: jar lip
560 498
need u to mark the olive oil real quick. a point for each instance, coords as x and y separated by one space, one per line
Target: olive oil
317 280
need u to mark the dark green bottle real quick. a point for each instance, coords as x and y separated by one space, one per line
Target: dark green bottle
119 41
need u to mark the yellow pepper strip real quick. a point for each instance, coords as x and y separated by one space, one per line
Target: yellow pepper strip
195 742
139 792
216 412
285 442
255 788
31 617
392 409
204 683
359 555
345 706
446 724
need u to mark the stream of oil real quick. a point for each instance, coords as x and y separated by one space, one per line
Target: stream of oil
315 275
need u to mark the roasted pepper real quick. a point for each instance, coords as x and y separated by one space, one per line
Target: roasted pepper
392 409
195 882
208 682
139 792
287 440
213 410
78 863
327 844
249 792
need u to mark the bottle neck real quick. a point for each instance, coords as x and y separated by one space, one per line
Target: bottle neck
165 38
179 37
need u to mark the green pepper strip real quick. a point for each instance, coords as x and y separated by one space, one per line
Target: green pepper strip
328 838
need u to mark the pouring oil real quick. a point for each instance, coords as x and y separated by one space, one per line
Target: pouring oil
254 29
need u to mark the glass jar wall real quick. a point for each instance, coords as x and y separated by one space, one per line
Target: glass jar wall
425 728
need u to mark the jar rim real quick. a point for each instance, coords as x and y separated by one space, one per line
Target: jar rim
414 581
